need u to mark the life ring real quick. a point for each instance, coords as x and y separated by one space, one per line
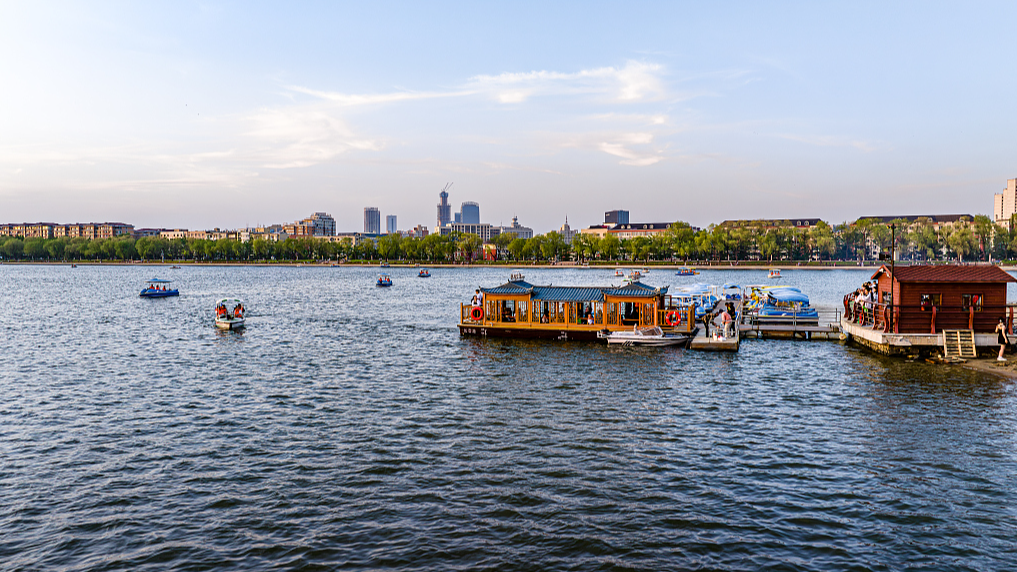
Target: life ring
673 318
477 314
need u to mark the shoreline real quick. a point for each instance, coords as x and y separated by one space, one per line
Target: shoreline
757 267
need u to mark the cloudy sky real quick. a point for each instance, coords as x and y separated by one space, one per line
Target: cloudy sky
222 114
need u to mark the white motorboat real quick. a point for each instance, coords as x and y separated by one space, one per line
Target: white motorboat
229 314
774 273
651 336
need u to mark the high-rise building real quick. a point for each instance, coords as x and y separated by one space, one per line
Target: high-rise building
517 229
444 209
391 227
372 220
616 217
1004 205
469 213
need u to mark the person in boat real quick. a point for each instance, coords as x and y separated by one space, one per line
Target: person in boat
1002 339
238 312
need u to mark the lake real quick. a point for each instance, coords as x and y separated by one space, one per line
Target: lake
350 427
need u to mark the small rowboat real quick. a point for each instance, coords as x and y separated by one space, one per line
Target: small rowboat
774 273
686 271
651 336
384 280
229 314
619 272
157 288
424 273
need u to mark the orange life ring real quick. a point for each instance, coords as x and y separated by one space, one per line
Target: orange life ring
477 314
673 318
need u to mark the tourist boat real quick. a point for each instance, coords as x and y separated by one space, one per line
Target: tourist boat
384 264
424 273
633 277
686 271
229 314
649 336
157 288
619 272
518 309
701 297
74 265
174 268
787 306
774 273
384 280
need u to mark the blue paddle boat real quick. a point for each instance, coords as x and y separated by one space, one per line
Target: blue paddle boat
157 288
787 306
424 273
384 280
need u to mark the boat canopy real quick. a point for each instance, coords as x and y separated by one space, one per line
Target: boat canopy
574 293
230 301
788 295
731 286
158 281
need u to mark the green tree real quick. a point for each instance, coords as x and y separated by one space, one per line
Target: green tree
517 248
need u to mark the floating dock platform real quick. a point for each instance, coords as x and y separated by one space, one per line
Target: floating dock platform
705 343
795 331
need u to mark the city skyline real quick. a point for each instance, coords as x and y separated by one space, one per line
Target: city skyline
216 114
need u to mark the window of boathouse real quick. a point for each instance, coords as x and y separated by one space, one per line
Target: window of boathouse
971 300
928 300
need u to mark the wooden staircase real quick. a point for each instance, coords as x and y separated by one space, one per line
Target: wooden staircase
959 344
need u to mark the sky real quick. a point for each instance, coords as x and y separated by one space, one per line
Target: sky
232 114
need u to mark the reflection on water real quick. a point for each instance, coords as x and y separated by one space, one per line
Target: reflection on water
350 427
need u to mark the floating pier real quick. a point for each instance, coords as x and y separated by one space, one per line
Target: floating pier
706 343
799 332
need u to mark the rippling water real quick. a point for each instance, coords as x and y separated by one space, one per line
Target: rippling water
350 427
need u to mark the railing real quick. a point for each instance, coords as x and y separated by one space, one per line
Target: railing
930 318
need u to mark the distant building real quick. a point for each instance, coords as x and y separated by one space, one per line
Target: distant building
628 230
322 223
469 213
391 227
90 231
444 209
148 232
516 229
419 231
937 221
566 231
372 220
803 223
616 217
1004 205
485 231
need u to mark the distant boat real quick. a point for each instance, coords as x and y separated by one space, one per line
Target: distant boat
229 314
619 272
633 276
774 273
74 265
686 271
424 273
384 264
157 288
174 268
384 280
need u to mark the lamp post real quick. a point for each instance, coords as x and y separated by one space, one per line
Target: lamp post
893 245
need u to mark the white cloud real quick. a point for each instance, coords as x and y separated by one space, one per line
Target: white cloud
637 81
350 100
300 137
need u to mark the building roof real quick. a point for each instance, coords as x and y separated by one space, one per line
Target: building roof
913 218
948 273
574 293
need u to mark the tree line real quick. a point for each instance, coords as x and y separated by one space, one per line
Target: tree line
977 239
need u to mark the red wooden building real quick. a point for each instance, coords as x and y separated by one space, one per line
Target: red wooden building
930 299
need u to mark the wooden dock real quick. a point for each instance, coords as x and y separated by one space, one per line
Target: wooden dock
828 332
712 344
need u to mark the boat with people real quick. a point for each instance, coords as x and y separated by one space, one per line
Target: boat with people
174 268
686 271
424 273
384 280
229 314
384 265
156 288
774 273
519 309
788 306
652 336
634 276
619 272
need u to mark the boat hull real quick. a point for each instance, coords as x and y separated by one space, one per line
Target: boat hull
234 324
649 341
527 333
159 293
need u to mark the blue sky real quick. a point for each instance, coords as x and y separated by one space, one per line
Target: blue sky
224 114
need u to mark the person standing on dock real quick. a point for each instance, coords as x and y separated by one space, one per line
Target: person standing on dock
1002 338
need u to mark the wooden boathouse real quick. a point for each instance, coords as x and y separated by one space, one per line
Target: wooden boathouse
916 304
518 309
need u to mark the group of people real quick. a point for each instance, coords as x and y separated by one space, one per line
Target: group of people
725 318
867 292
221 311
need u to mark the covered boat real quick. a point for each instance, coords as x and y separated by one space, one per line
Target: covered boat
787 306
686 271
518 309
384 280
774 273
424 273
156 288
229 314
699 296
